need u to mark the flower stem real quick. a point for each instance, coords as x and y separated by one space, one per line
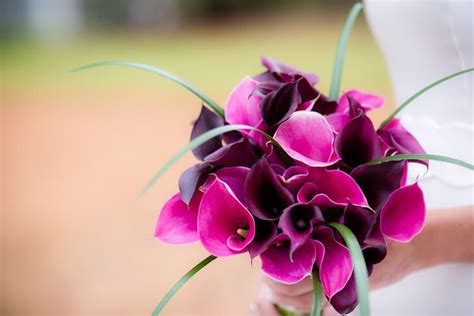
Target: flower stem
180 283
317 293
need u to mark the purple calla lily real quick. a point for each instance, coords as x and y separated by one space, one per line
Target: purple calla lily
276 262
367 101
206 121
265 194
335 268
191 179
397 137
379 181
297 223
239 153
357 142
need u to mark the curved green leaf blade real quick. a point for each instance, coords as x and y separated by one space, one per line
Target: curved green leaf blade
199 141
360 269
416 95
423 157
160 72
180 283
317 293
341 50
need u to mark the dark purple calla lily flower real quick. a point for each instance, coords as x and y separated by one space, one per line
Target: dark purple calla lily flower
239 153
357 142
297 223
379 181
265 194
192 178
283 73
206 121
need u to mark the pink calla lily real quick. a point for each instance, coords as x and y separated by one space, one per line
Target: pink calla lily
242 107
225 226
335 268
297 137
404 214
276 262
177 223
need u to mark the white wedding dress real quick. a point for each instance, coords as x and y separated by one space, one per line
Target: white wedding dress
423 41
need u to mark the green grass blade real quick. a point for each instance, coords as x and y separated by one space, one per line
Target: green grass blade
212 104
423 157
416 95
341 50
317 293
201 139
180 283
360 269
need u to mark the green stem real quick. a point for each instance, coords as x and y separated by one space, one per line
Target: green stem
212 104
180 283
341 50
416 95
317 293
360 268
423 157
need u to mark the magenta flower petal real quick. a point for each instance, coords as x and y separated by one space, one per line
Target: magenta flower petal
225 226
338 121
234 177
307 193
206 121
296 136
336 267
277 265
397 137
404 214
366 100
294 177
297 223
265 194
242 107
176 222
284 71
338 186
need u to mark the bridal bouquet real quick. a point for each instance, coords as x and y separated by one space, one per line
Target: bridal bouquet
297 178
281 190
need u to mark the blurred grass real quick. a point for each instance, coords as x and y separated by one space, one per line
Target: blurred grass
214 57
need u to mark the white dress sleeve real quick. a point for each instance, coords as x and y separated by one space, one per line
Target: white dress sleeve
423 41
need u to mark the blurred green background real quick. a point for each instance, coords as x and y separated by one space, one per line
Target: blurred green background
77 147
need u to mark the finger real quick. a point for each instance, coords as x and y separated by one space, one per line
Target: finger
302 303
264 306
300 288
328 310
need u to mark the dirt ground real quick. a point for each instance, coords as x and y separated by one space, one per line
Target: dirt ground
74 240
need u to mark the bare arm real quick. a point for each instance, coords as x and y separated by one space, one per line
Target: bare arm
448 237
